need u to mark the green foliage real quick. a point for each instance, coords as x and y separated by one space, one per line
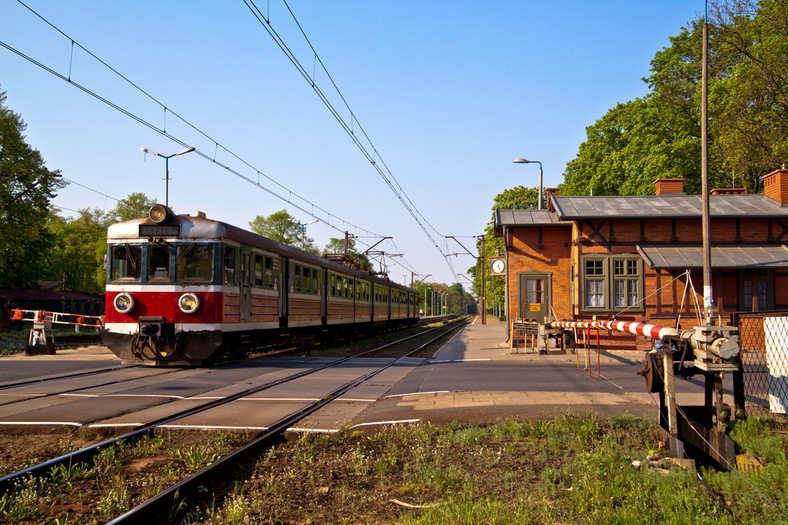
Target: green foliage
26 187
517 198
658 135
135 206
283 227
570 469
37 244
346 248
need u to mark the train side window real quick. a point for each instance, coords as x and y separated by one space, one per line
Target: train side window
229 265
126 262
269 273
158 263
195 263
306 280
297 278
315 283
258 270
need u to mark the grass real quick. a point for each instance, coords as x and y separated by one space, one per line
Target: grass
120 477
569 469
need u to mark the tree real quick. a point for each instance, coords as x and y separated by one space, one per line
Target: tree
630 146
282 227
346 249
751 96
77 256
135 206
517 198
26 188
658 135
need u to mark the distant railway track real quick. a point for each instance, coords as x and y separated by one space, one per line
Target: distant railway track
156 509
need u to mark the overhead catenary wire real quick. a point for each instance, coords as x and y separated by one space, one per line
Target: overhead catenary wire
292 198
368 150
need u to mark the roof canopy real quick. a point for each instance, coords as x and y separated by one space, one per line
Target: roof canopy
686 257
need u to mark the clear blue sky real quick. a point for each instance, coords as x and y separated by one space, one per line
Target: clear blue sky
449 92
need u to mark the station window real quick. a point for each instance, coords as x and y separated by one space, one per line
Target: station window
612 283
626 282
126 261
756 286
194 263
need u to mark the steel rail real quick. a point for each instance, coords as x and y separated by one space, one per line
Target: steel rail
86 454
157 509
63 375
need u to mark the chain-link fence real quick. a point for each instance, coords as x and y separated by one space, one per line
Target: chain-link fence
764 355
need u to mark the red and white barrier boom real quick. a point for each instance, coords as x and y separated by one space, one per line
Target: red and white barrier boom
718 341
710 350
40 339
44 316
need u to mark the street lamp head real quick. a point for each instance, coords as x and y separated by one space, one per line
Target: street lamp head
520 160
187 150
150 152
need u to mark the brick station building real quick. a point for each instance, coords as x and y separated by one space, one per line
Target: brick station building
627 256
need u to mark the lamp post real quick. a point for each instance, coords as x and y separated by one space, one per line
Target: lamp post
520 160
167 169
302 228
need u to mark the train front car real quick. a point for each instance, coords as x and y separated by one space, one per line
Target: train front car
164 293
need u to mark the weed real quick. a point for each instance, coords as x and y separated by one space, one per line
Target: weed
20 503
757 437
114 501
235 509
63 475
196 457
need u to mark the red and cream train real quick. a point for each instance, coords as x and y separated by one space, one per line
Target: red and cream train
182 288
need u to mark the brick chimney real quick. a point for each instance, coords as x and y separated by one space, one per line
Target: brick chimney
663 186
549 194
775 185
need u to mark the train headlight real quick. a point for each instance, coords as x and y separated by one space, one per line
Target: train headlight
159 212
123 302
188 303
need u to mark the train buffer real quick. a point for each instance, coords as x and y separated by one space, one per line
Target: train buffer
41 338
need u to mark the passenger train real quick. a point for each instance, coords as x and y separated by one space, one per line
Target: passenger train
181 289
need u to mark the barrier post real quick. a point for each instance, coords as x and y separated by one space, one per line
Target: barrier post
40 339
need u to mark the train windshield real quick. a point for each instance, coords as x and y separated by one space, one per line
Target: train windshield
126 262
195 263
158 263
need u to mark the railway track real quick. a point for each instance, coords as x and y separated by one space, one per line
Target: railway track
160 506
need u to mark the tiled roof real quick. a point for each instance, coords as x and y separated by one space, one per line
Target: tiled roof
666 206
526 218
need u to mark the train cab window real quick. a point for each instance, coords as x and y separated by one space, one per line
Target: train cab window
126 262
228 271
195 263
158 263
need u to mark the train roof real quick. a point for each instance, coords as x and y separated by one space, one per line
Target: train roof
201 228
